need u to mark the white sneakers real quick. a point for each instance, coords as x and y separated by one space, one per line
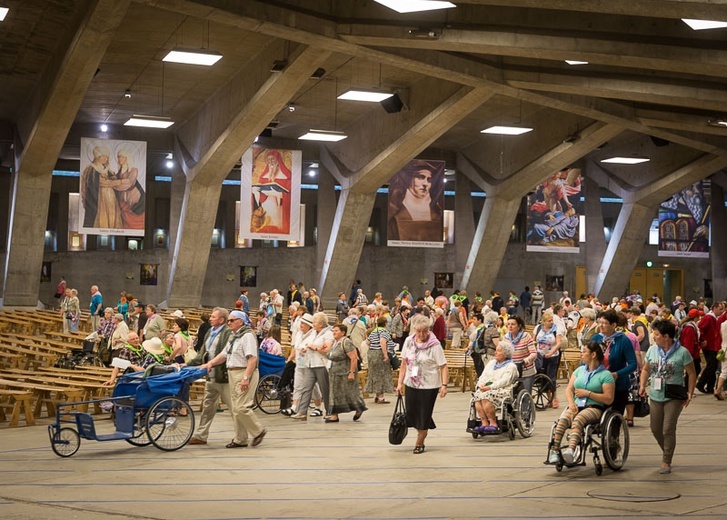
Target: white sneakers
553 457
567 455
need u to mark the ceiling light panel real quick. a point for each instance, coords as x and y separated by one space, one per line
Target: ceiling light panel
506 130
575 62
363 95
3 13
701 25
192 57
323 135
415 6
626 160
149 122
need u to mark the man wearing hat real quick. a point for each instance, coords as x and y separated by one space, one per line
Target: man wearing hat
240 356
217 386
132 352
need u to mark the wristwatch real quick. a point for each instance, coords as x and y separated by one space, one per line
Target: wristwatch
245 378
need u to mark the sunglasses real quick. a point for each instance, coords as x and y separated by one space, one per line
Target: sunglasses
233 319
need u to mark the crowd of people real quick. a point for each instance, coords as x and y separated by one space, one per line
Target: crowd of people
629 351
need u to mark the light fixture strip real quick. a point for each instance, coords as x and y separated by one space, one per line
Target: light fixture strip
701 25
364 95
506 130
149 122
3 13
323 135
193 57
626 160
415 6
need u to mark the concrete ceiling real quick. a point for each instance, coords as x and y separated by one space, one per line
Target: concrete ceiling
648 71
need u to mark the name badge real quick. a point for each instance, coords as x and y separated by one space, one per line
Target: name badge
414 371
658 383
581 402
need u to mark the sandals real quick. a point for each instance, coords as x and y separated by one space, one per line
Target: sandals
418 449
317 413
555 403
630 423
233 444
381 400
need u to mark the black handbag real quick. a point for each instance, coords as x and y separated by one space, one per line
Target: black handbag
678 392
642 408
398 428
394 360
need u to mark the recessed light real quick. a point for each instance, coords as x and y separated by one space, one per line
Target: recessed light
574 62
363 95
700 25
506 130
104 128
626 160
149 122
414 6
193 57
3 13
323 135
448 171
169 164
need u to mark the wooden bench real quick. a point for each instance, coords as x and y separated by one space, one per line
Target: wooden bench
462 372
17 401
49 395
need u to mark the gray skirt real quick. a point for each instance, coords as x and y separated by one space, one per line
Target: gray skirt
379 379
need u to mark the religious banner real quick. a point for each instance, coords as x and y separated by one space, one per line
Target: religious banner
270 194
684 222
416 205
554 210
113 187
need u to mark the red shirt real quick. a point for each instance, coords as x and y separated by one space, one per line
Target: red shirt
439 328
710 338
689 339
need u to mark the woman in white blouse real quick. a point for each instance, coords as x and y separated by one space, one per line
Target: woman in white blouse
424 373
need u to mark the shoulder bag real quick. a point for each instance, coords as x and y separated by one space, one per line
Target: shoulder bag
398 428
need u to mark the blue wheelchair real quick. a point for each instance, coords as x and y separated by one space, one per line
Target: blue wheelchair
149 410
269 391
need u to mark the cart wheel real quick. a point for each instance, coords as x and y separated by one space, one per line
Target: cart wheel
267 397
615 441
559 467
66 442
167 426
525 414
475 435
511 430
599 469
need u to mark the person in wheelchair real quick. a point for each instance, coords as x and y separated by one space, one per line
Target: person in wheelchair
590 391
494 385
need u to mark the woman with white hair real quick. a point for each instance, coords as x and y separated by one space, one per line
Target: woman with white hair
120 334
317 346
425 375
494 385
589 328
492 333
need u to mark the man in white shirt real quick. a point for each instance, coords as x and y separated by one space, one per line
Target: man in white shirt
240 355
277 300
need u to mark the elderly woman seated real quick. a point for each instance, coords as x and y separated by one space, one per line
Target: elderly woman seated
494 385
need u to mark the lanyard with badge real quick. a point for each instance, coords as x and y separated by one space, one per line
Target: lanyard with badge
661 367
581 401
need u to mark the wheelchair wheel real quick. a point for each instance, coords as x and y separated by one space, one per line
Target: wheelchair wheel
66 442
615 441
542 386
142 438
525 414
167 426
267 397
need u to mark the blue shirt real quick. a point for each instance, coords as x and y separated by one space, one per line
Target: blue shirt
621 359
245 303
96 303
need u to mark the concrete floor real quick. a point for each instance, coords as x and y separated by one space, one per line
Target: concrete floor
318 470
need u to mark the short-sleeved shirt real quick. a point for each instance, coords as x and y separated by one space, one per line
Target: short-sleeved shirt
239 349
316 358
672 372
96 303
428 362
603 377
375 338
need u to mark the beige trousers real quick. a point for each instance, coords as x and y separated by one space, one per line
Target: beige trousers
246 424
209 406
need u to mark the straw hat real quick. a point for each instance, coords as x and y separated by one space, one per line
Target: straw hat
307 319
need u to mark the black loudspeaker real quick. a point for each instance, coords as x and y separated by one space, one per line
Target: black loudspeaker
393 104
658 141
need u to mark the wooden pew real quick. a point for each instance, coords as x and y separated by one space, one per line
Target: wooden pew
44 394
17 401
461 369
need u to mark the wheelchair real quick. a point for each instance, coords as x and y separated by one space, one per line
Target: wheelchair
543 391
516 413
268 393
609 436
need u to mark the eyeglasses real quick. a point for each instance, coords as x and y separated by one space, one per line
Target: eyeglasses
233 319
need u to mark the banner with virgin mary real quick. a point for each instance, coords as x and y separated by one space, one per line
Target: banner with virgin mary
113 187
270 194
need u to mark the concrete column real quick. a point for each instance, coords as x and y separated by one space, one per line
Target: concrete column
595 237
464 223
176 199
718 254
627 241
345 245
326 209
41 132
489 243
